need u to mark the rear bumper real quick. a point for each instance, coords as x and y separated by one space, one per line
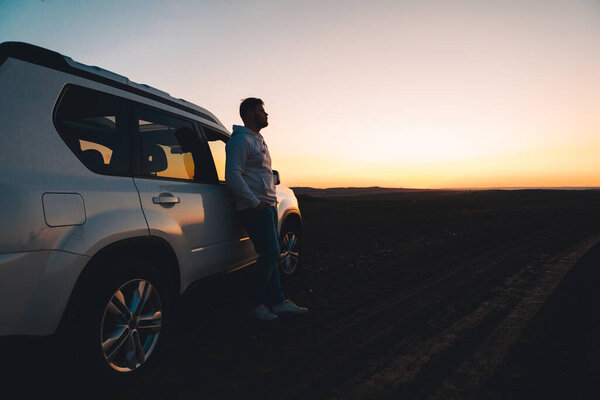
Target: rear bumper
35 288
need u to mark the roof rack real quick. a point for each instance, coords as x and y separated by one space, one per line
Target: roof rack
51 59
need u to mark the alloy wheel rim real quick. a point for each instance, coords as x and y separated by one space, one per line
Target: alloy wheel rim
131 325
290 253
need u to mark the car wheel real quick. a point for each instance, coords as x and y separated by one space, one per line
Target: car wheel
119 320
290 245
131 325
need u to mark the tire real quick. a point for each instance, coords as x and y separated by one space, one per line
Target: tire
290 245
119 319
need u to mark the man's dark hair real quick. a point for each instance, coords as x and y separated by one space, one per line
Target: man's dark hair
249 104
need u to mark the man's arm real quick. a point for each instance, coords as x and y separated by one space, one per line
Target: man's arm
236 153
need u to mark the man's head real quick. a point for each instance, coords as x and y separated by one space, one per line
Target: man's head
253 113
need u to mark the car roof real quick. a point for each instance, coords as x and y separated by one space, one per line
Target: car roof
51 59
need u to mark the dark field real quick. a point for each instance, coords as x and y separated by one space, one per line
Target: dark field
412 295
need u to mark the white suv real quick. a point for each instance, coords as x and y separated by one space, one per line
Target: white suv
113 203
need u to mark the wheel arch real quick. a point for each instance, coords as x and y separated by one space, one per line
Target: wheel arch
152 247
291 216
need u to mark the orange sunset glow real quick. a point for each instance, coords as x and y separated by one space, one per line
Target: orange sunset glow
427 94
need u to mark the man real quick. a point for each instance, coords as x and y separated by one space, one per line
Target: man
249 175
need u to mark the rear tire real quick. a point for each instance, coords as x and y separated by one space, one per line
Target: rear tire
118 320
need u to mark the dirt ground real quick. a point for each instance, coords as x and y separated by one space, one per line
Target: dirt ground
415 295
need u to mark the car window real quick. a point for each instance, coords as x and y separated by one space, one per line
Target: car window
216 143
93 124
170 147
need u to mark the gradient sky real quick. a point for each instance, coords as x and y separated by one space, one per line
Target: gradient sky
426 93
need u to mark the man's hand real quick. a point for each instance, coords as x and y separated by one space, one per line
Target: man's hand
261 205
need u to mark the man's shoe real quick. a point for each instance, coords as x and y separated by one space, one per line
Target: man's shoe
289 307
263 313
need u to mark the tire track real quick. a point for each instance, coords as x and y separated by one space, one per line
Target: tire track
460 384
459 359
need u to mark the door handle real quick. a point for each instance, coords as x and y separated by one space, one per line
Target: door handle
165 198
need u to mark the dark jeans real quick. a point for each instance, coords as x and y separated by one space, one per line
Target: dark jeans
262 229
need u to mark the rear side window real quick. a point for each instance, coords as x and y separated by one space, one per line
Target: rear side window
94 126
170 147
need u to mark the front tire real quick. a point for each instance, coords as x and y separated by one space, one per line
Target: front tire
290 246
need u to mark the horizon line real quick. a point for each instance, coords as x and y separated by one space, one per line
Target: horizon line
458 188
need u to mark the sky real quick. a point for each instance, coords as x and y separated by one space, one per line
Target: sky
420 94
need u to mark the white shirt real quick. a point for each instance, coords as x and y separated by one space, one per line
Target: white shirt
248 170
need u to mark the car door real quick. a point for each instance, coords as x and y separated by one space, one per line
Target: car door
179 195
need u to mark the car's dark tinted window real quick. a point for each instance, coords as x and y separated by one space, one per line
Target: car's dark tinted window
170 147
94 126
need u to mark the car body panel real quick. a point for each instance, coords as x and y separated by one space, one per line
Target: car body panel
34 289
201 227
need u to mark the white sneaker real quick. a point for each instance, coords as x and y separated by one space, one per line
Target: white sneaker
290 307
263 313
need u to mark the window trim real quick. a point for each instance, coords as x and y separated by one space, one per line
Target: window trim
131 116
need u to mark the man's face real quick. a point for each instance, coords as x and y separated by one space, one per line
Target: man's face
261 116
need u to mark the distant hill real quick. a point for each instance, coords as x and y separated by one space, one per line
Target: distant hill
353 191
378 191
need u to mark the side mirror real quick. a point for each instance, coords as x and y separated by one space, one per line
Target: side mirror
276 177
